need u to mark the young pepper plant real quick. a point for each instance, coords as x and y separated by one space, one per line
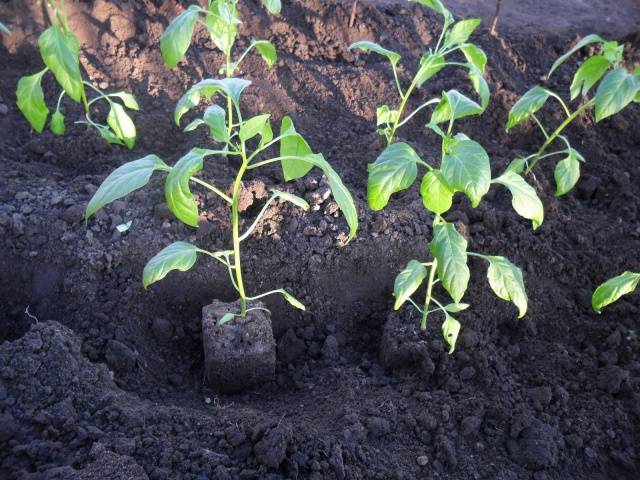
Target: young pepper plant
614 288
60 52
616 88
464 167
221 19
296 159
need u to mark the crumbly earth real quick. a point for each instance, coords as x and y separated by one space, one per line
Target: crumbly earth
100 379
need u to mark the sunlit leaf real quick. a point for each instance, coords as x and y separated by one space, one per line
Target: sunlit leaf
179 256
613 289
394 170
31 100
408 281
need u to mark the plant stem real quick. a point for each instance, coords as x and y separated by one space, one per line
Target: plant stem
427 302
403 104
229 73
236 232
555 134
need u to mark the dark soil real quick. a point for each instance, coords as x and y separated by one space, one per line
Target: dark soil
100 379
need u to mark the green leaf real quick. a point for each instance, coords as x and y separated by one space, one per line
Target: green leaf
524 199
231 87
474 55
57 123
293 145
582 43
507 283
216 119
430 64
456 307
31 100
273 6
290 197
176 39
4 29
340 193
384 115
567 172
479 85
222 22
226 318
179 256
60 52
179 198
129 100
460 32
450 250
616 91
394 170
123 180
106 133
366 45
437 6
408 281
450 332
252 127
454 105
122 125
517 165
588 75
465 165
527 105
267 51
612 52
437 195
292 300
613 289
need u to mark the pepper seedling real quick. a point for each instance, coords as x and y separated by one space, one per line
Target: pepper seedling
616 88
614 288
60 52
221 19
464 167
296 159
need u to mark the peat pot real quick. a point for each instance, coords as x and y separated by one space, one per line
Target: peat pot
239 354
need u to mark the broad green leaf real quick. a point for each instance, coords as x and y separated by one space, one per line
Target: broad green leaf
384 115
582 43
267 51
465 166
527 105
408 281
460 32
479 85
179 198
273 6
588 75
517 165
340 193
290 197
437 195
4 29
456 307
567 172
106 133
430 64
454 105
293 145
450 332
31 100
231 87
394 170
507 283
524 199
122 125
616 91
437 6
292 300
474 55
450 251
266 134
128 99
366 45
57 123
176 39
222 22
613 289
612 52
60 52
252 127
179 256
123 180
215 118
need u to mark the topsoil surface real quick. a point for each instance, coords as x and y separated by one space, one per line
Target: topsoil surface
100 379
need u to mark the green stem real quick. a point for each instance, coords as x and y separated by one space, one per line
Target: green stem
403 104
212 188
427 302
229 72
236 232
555 134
